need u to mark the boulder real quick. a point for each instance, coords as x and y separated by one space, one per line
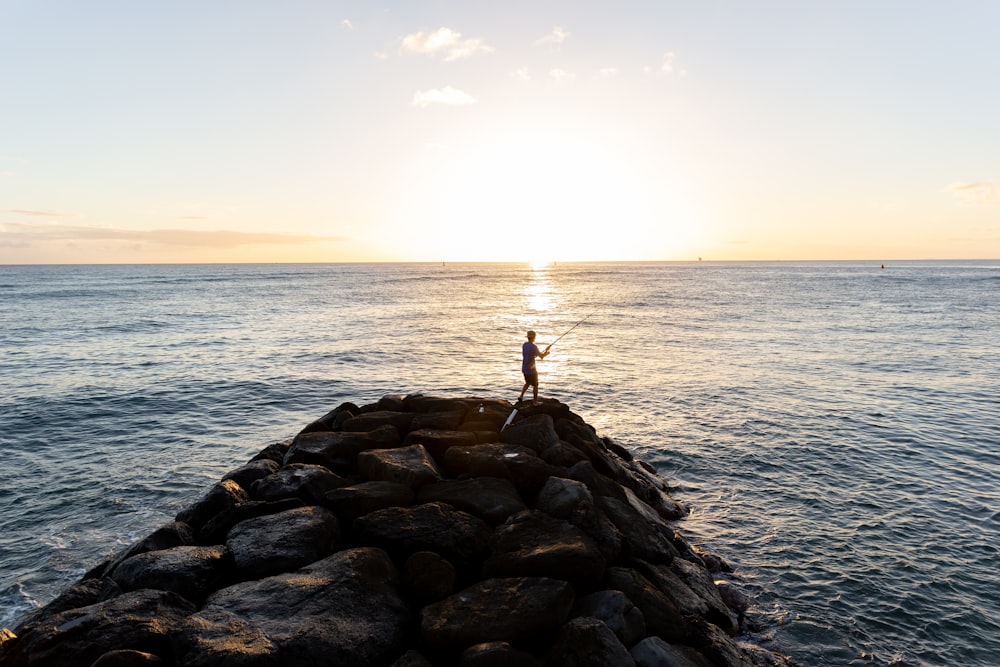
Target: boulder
516 463
308 482
537 433
370 421
640 538
342 610
563 454
534 544
437 421
511 610
588 642
428 577
282 542
250 472
662 617
616 611
215 531
412 658
332 420
496 654
338 451
713 643
572 501
654 652
275 452
127 658
490 498
700 581
140 620
411 466
223 496
436 527
438 442
190 571
350 502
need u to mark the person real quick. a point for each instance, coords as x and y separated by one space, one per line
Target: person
530 352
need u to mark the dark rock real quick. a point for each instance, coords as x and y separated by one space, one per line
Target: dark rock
215 531
141 620
490 498
339 451
563 454
333 419
127 659
391 403
496 654
650 489
437 527
350 502
428 577
588 642
514 462
425 404
411 466
275 452
224 495
249 473
282 542
619 451
641 538
715 563
534 544
734 598
572 501
583 437
537 433
438 442
191 572
701 583
654 652
81 594
342 610
364 423
437 421
660 613
616 611
545 406
310 483
412 659
511 610
599 484
712 642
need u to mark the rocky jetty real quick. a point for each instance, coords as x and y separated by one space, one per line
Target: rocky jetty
413 531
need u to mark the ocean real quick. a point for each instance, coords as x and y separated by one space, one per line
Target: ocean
834 427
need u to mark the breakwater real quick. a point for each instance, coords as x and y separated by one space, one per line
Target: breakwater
412 531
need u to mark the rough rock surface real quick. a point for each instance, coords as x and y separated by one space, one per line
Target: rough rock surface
413 531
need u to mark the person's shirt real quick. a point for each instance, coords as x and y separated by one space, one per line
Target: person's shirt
529 351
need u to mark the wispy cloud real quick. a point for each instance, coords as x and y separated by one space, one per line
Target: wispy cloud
444 42
18 234
447 95
555 38
667 66
40 214
521 74
607 72
347 24
980 192
561 75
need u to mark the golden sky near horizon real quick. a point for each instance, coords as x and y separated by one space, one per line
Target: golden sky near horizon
340 131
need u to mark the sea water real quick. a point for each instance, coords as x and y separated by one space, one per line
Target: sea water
833 427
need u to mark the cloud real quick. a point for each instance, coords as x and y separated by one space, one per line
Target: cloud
667 66
18 234
556 37
40 214
447 95
980 192
347 24
445 42
521 74
607 71
561 75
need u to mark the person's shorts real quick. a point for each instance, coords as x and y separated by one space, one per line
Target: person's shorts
531 379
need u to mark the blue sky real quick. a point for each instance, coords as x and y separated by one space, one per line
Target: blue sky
347 131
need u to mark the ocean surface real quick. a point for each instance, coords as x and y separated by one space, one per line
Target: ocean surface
834 427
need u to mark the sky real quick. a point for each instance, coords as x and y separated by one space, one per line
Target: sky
326 131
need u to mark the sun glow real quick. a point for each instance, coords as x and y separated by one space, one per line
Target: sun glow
543 196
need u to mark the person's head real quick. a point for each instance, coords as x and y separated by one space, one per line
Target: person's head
531 336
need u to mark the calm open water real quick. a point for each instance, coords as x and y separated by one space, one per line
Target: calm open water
834 427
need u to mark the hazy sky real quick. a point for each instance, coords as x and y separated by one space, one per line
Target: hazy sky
302 130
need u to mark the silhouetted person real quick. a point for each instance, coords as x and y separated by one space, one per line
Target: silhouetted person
530 352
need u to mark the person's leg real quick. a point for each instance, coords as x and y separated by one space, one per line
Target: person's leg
523 389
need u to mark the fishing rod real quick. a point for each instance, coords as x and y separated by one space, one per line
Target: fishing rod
570 329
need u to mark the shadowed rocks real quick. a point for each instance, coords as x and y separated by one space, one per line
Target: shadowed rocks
410 532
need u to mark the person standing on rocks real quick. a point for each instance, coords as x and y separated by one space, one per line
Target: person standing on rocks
530 352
